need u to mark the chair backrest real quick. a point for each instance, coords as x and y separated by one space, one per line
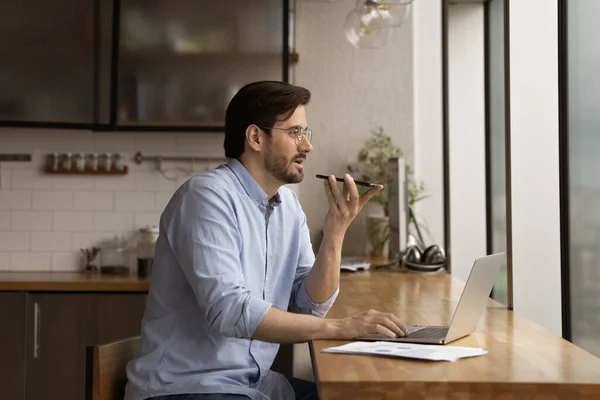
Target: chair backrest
105 368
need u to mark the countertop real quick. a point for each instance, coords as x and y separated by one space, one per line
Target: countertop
47 281
71 282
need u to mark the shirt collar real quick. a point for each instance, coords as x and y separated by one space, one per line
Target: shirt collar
252 188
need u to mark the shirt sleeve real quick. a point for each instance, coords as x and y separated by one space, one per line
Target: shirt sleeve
206 242
300 301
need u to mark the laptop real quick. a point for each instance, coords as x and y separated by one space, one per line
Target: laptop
470 307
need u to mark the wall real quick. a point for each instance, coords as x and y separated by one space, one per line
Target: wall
466 123
428 123
46 219
535 208
354 91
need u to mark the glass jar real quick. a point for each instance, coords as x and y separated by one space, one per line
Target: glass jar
114 257
146 246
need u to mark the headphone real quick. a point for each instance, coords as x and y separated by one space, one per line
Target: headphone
431 258
417 258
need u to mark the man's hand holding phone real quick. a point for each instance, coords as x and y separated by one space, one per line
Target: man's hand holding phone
344 205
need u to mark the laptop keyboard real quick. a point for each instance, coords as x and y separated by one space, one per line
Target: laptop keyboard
428 332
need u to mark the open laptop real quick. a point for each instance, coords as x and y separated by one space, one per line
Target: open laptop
468 312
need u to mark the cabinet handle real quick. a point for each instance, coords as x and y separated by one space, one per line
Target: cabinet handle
36 330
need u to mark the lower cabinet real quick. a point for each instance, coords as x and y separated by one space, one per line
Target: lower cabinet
13 334
61 325
44 337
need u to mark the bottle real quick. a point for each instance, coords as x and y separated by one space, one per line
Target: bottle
80 162
146 246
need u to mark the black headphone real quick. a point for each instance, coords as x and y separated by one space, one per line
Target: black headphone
415 257
432 258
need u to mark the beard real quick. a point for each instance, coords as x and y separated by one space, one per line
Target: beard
278 167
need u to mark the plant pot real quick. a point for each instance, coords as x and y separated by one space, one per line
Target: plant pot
378 230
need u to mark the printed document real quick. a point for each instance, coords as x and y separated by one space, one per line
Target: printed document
407 350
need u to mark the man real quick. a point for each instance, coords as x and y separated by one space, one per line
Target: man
234 255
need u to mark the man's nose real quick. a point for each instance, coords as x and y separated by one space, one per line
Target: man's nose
305 146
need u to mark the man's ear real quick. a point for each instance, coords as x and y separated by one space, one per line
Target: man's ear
254 137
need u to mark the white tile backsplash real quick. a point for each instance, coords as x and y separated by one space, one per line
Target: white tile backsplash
162 199
143 219
135 201
4 261
15 199
52 200
83 240
46 219
14 241
30 261
4 220
150 180
50 241
73 221
30 179
113 221
95 201
72 182
31 220
5 178
67 262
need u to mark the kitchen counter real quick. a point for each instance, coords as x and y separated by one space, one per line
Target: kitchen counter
71 282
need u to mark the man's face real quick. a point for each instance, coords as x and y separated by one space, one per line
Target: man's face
284 157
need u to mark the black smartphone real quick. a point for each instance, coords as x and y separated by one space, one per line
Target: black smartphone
360 183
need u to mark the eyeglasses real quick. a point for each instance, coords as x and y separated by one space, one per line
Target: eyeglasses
297 132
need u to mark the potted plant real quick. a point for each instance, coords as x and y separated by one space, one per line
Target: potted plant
372 166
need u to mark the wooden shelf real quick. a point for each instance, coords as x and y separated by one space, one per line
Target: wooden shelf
226 55
46 51
171 123
87 171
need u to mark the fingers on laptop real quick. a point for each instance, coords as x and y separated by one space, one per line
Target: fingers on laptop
388 324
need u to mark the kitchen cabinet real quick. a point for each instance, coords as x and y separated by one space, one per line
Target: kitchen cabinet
118 316
12 345
47 52
44 337
61 325
144 65
181 61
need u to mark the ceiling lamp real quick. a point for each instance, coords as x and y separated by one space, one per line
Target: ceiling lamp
370 24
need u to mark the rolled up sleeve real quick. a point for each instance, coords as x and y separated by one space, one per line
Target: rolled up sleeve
206 242
300 301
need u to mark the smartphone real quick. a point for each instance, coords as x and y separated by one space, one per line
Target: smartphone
360 183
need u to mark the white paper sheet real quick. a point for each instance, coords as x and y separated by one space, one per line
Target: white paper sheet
408 350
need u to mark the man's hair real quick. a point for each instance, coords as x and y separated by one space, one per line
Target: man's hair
263 104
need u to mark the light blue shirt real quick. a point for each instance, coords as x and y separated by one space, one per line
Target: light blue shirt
224 256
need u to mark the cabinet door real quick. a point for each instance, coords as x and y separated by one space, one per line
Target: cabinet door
12 345
119 316
61 326
47 71
181 61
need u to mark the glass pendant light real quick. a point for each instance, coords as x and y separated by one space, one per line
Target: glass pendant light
370 23
362 35
382 14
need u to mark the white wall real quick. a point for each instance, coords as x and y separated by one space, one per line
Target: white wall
466 113
428 123
354 91
46 219
535 161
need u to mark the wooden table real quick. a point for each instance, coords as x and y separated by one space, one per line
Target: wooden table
525 361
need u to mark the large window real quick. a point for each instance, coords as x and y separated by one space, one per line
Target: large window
496 136
583 128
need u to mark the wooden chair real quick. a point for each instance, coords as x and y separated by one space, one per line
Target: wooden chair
105 368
